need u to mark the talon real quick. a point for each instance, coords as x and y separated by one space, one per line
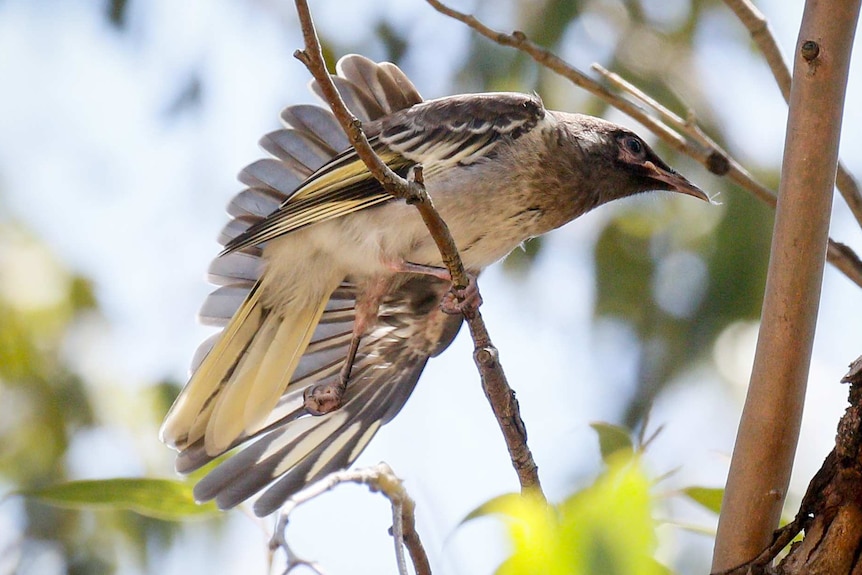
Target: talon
456 301
322 398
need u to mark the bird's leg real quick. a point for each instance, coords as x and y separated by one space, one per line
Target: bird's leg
456 300
328 396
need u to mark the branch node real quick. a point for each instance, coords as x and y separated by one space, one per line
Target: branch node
486 356
717 163
302 56
810 50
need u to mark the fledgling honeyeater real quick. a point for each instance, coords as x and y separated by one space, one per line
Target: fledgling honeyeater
319 261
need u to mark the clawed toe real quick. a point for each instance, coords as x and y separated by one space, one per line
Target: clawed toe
456 301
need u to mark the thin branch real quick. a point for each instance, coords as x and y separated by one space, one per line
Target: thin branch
850 191
709 154
769 429
718 161
279 541
758 26
839 255
379 478
413 192
501 396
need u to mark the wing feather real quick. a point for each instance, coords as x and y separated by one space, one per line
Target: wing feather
318 123
437 134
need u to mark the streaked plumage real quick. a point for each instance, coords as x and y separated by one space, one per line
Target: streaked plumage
310 252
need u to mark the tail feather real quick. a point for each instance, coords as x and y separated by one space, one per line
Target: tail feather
308 448
285 351
226 422
183 424
323 358
298 449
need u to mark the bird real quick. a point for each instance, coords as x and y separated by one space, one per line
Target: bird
330 290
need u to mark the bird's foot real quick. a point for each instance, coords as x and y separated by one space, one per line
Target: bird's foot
322 398
456 301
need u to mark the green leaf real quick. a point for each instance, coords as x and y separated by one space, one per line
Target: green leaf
709 497
612 438
164 499
607 528
497 505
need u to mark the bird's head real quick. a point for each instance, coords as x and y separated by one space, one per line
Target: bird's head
645 169
615 161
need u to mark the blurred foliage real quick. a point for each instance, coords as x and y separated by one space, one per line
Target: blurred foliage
116 12
708 497
164 499
679 289
45 404
613 439
606 528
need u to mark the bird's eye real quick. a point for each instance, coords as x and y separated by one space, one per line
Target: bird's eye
633 145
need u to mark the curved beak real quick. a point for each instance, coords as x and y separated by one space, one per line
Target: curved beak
674 182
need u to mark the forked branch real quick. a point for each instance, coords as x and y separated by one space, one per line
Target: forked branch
379 478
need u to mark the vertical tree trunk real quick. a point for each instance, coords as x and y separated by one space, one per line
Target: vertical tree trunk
768 433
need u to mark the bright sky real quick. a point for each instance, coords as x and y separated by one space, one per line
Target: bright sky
92 159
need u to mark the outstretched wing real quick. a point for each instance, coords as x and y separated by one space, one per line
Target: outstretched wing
439 134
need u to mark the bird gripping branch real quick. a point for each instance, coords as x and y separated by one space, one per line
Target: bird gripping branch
331 289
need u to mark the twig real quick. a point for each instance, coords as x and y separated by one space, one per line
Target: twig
378 478
501 396
413 192
758 26
712 157
838 254
279 541
718 161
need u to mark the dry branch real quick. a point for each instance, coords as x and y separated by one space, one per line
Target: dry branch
379 478
500 395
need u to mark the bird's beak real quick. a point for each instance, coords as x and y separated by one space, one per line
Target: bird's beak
675 182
